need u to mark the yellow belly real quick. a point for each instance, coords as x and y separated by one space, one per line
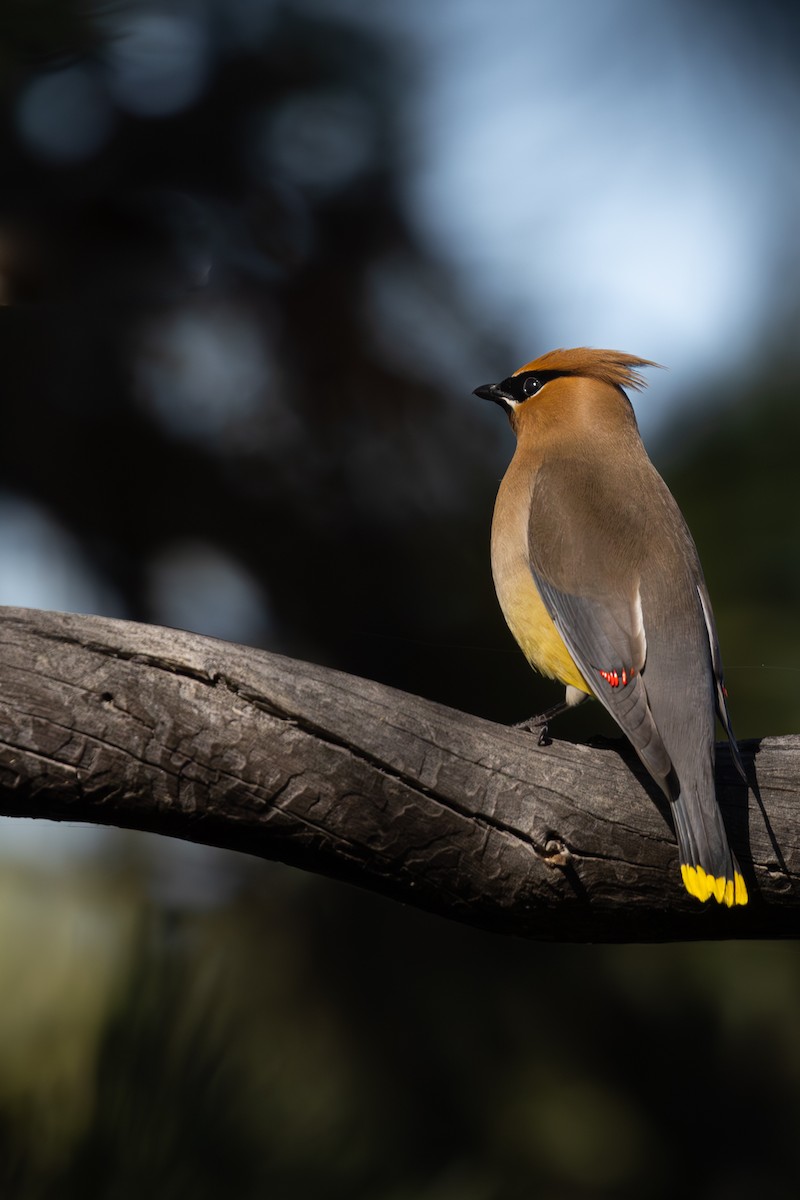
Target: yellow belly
535 633
519 598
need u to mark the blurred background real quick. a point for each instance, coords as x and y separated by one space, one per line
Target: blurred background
254 257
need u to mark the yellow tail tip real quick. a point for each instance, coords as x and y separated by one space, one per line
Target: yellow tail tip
704 886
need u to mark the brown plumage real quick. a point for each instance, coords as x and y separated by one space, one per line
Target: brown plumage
606 366
599 580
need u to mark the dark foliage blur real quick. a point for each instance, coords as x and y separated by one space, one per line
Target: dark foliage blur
238 387
259 235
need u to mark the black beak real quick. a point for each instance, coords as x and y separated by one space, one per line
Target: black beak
490 391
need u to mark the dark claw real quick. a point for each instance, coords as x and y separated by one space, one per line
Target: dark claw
541 722
538 725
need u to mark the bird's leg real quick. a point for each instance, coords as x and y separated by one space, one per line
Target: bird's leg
541 723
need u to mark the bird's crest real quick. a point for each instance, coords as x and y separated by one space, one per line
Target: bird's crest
609 366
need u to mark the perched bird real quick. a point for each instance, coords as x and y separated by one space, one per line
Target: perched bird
599 580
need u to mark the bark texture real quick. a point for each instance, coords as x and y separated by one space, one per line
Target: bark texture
147 728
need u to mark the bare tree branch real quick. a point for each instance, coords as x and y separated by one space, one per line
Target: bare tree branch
148 728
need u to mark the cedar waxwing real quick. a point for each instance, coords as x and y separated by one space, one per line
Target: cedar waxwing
599 580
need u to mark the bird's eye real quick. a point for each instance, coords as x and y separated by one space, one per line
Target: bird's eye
531 385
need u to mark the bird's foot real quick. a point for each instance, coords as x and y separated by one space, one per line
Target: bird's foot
538 725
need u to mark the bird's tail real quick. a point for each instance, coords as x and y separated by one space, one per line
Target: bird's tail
708 865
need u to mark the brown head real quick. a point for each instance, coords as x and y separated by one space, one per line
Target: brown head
568 384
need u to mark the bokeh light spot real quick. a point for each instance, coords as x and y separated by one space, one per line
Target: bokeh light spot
158 64
319 141
43 566
64 116
194 586
202 371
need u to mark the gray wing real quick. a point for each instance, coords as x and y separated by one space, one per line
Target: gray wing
589 583
609 650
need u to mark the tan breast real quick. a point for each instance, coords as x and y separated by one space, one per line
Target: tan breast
519 598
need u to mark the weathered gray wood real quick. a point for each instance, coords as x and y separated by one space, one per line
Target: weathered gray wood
148 728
